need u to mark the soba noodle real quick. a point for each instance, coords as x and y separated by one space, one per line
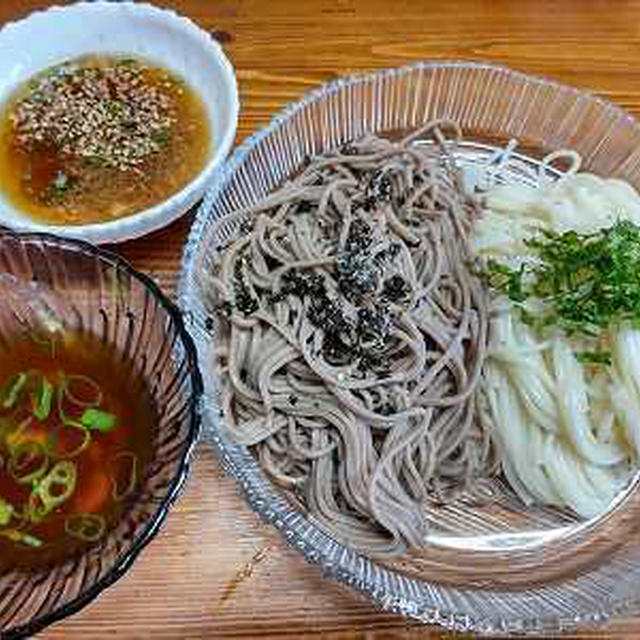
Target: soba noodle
350 335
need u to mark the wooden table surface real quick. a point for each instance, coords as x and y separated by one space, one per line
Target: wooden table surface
215 570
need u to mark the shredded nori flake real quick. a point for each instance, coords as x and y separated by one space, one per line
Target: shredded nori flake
247 226
395 288
304 207
380 187
245 302
348 150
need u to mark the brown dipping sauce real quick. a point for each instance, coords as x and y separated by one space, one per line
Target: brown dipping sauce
106 485
99 138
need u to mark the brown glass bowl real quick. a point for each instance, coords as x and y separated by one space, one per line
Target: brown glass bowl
47 279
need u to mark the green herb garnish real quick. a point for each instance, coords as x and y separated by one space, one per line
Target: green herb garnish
506 280
41 464
99 420
594 357
42 398
588 282
52 490
12 390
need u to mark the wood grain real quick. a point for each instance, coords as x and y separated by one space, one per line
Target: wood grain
215 570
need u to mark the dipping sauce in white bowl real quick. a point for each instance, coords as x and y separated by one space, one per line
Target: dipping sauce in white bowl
109 193
100 138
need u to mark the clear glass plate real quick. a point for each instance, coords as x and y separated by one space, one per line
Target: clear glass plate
499 568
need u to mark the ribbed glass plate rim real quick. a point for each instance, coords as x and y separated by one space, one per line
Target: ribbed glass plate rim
151 529
387 589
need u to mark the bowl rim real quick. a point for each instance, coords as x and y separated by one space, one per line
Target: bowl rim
153 526
353 569
176 205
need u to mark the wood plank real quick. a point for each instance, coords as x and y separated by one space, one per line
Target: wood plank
215 570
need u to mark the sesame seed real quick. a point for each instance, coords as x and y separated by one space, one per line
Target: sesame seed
106 113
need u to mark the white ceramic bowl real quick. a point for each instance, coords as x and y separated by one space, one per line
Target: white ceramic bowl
50 37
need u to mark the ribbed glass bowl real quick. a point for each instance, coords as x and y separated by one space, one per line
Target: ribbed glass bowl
44 280
499 568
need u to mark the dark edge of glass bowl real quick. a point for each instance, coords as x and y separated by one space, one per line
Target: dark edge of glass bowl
428 613
153 526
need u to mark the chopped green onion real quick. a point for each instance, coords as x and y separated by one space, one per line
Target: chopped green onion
75 396
24 538
37 509
43 498
99 420
42 399
28 462
118 491
11 392
85 526
45 466
73 451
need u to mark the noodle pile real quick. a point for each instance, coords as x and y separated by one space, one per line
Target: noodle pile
350 335
569 428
